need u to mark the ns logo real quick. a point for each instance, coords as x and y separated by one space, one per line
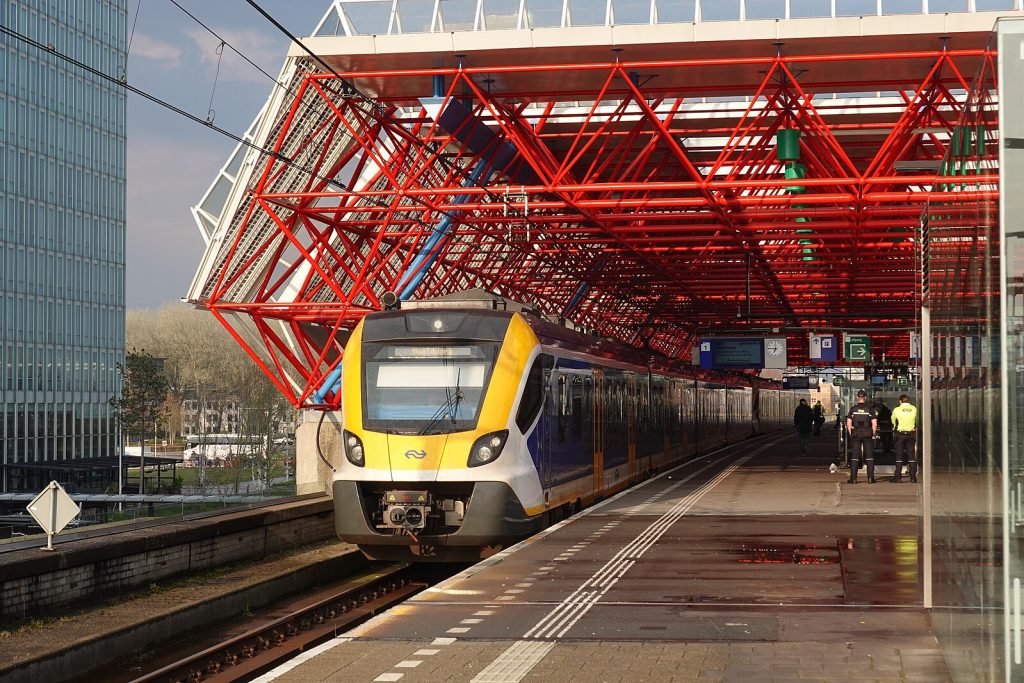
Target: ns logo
419 455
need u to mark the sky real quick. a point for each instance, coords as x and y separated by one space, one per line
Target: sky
172 160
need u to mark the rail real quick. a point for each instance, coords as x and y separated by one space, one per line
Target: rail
332 612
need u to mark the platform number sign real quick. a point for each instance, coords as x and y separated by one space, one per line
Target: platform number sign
857 347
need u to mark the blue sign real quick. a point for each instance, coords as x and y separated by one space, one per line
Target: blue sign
824 347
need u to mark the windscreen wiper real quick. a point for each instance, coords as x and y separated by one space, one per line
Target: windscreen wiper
454 397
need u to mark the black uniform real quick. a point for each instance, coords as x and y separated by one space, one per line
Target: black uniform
861 439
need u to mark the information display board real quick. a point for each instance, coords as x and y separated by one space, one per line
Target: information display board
737 353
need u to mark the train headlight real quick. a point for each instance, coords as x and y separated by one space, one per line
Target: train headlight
353 449
487 448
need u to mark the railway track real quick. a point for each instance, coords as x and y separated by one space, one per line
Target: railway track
297 627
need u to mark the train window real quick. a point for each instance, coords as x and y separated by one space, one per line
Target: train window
529 406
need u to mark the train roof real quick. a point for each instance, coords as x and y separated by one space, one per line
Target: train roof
487 320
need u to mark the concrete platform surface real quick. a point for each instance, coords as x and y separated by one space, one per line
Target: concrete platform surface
754 563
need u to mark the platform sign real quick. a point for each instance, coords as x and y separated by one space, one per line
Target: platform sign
857 347
704 354
53 509
823 347
839 380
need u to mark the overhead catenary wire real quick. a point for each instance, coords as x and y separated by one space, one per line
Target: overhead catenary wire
224 41
123 83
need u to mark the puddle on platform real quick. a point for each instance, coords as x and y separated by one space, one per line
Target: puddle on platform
785 553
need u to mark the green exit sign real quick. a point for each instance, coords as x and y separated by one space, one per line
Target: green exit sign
857 347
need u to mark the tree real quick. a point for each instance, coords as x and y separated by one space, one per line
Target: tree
265 411
141 400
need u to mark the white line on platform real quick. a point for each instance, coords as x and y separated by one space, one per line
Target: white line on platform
514 663
273 674
389 677
562 618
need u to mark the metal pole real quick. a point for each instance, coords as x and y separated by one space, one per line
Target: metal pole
53 516
925 456
748 284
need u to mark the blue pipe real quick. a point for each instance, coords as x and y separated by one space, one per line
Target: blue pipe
575 300
421 264
332 383
438 85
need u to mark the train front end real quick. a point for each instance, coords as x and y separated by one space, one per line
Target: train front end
435 468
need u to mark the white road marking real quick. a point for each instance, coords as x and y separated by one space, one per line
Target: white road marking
389 677
565 615
409 664
424 653
514 663
532 652
483 613
458 629
471 621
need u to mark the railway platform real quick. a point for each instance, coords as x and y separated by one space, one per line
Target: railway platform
753 563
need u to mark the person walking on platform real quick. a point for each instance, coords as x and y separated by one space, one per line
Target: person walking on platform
861 430
803 420
819 418
904 423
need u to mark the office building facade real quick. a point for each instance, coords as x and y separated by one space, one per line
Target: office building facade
62 237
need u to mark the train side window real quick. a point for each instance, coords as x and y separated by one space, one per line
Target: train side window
533 395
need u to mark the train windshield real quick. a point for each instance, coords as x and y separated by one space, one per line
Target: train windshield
425 389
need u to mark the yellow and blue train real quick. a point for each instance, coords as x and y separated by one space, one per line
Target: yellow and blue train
468 429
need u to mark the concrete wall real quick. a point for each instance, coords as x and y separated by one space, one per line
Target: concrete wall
312 475
34 582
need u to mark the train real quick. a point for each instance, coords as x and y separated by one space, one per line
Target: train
465 430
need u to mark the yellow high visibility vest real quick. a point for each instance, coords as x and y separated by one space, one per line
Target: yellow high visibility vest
904 418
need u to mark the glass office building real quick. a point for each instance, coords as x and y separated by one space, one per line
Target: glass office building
62 237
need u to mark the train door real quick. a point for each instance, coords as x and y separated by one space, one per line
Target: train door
598 412
631 419
549 427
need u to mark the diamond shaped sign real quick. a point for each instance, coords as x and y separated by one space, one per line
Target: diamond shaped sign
53 508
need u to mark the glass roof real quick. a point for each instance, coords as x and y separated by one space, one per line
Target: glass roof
389 17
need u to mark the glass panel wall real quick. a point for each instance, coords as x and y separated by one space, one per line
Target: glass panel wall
973 276
1011 159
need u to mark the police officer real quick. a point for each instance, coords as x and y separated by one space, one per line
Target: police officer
904 422
861 429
